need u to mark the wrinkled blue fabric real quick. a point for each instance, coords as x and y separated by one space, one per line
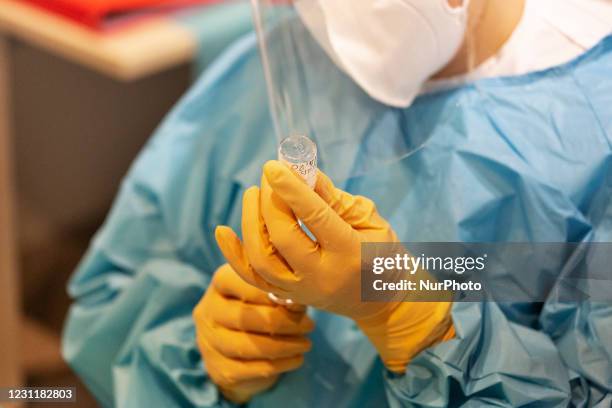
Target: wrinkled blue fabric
524 158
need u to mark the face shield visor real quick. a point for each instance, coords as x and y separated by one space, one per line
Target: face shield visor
343 72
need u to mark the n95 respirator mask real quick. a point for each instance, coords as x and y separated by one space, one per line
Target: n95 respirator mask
388 47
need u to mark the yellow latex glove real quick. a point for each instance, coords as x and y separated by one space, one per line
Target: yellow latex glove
246 340
278 256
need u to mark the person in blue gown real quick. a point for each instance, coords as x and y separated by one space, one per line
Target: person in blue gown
524 159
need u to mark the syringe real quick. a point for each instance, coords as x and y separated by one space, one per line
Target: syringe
300 153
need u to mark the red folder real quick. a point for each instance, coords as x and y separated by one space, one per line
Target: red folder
94 13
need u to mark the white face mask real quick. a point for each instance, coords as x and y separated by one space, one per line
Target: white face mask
389 47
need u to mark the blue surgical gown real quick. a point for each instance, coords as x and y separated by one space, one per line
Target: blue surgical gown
523 159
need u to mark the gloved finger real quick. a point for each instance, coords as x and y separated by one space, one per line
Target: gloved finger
227 282
325 224
262 255
234 253
252 346
229 372
360 212
243 391
247 369
284 231
264 319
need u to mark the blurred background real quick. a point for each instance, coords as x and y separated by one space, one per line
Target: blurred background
83 84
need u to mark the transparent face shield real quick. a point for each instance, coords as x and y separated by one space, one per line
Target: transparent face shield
309 95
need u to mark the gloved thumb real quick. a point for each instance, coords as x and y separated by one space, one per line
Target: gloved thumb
324 223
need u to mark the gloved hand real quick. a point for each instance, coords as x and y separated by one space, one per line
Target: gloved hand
278 256
246 340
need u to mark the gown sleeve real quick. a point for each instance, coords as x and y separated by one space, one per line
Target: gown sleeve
565 359
491 362
129 333
582 331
